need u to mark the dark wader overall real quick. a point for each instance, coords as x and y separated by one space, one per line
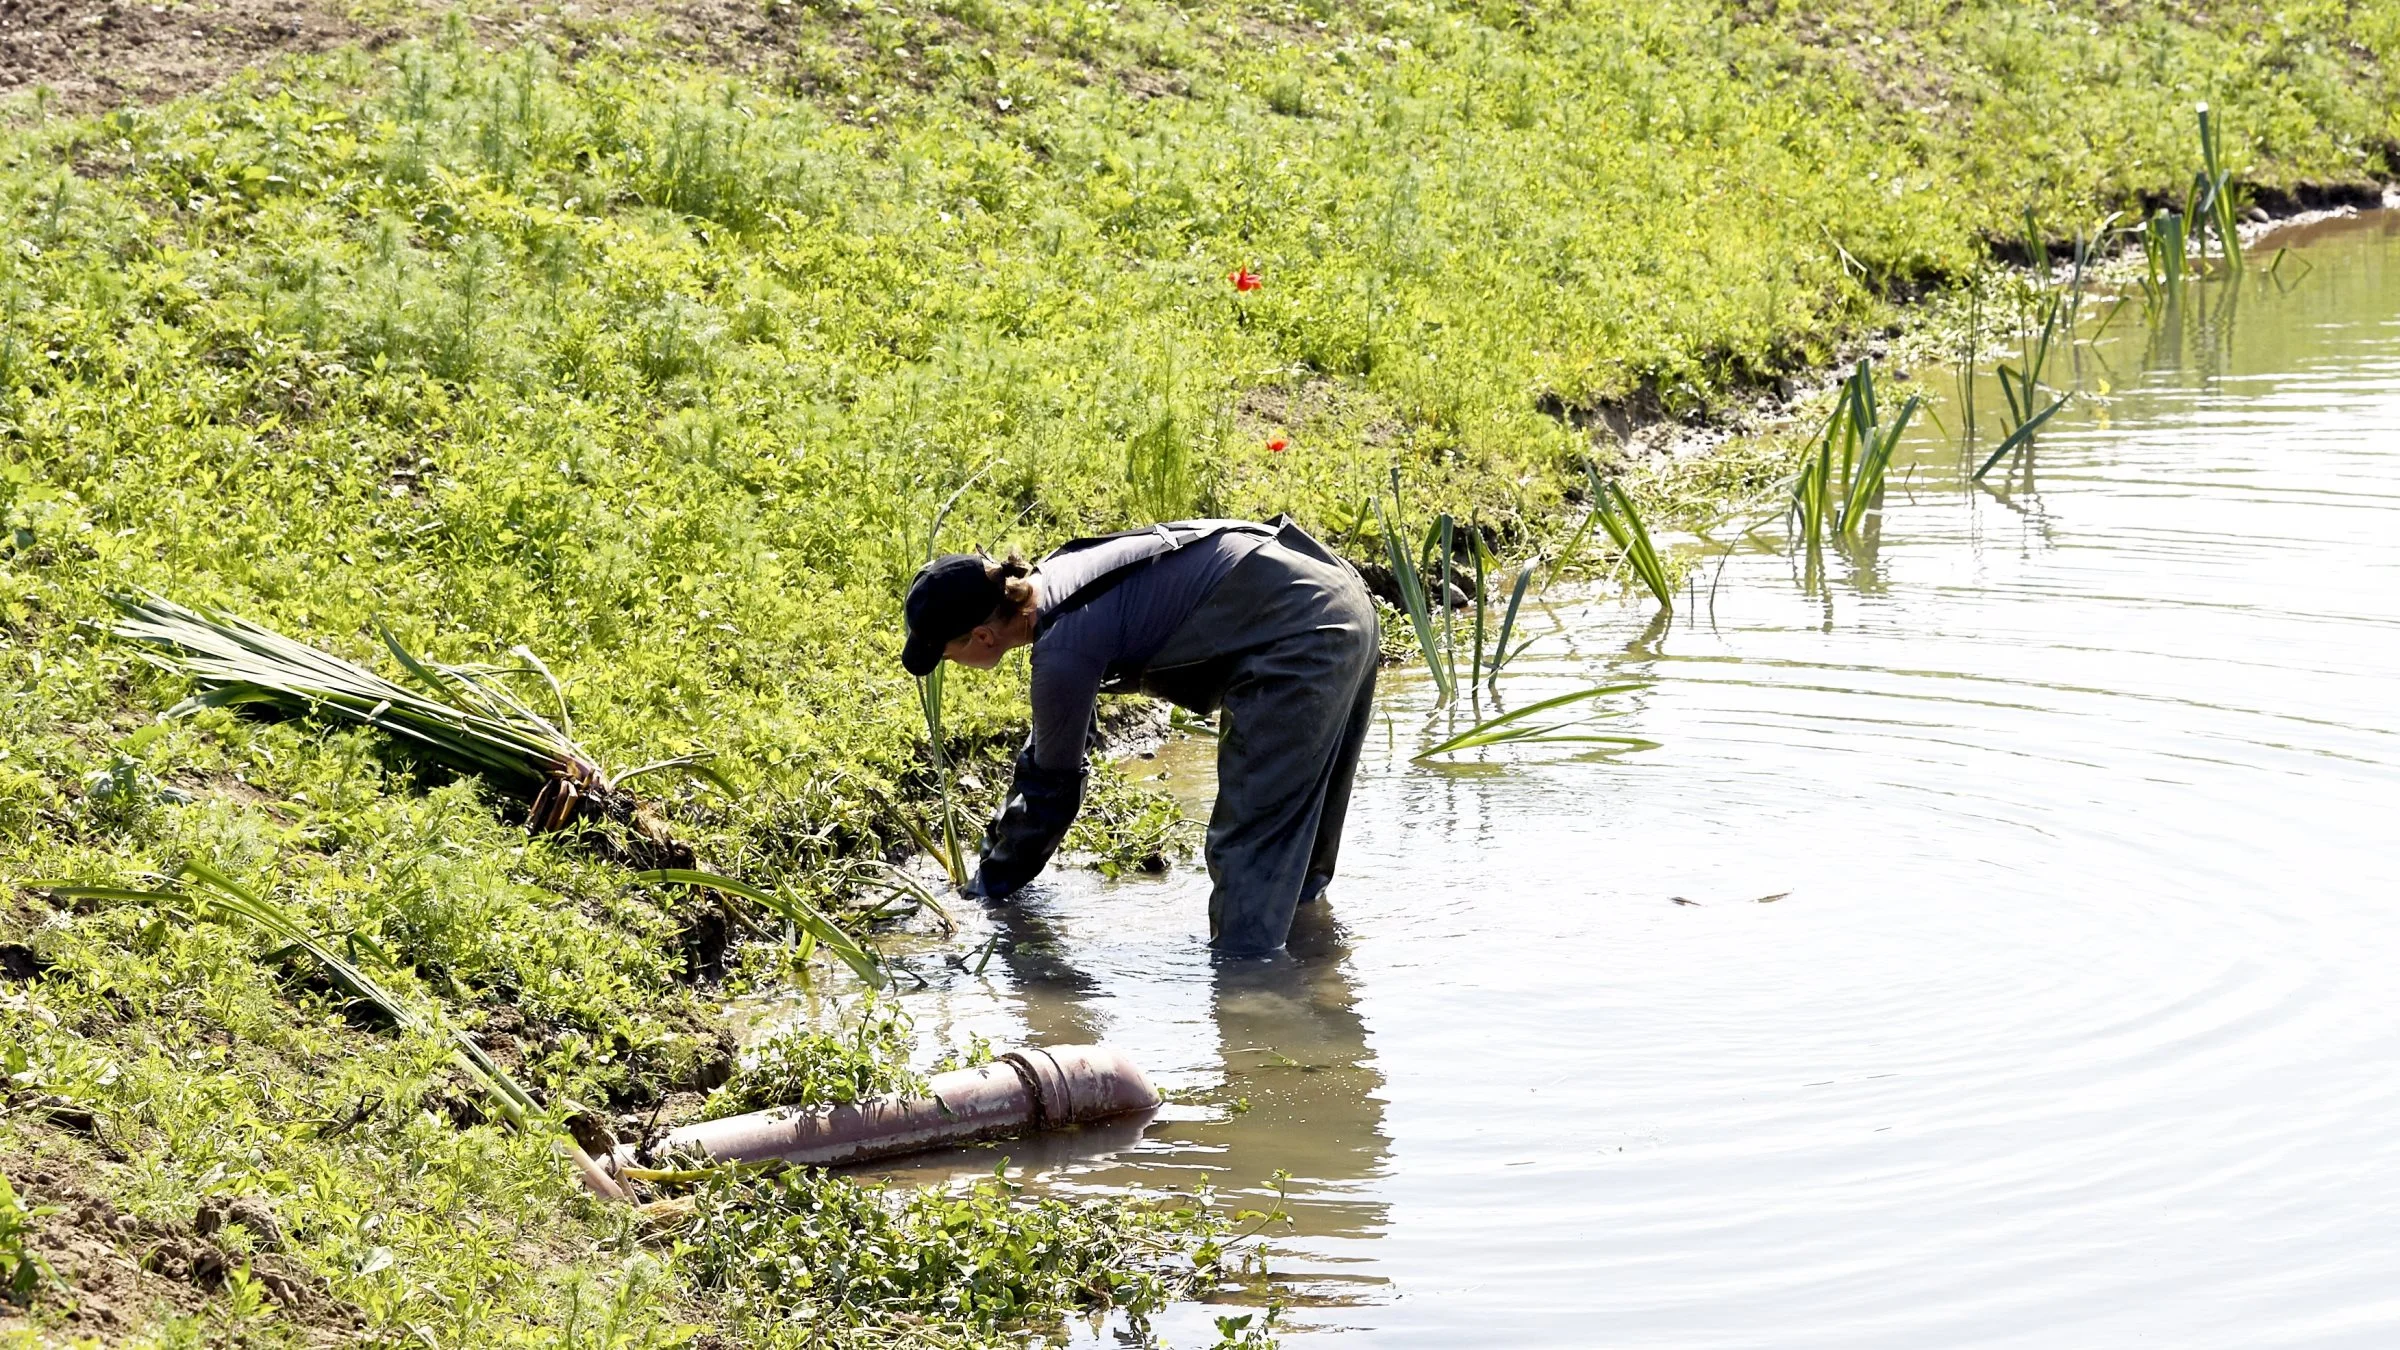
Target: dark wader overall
1285 647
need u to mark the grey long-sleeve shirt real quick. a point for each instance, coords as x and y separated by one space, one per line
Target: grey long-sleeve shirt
1073 656
1122 629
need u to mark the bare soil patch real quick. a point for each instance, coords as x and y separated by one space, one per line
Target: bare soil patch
117 1274
85 56
99 55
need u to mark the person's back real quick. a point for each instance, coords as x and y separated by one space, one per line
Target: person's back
1085 642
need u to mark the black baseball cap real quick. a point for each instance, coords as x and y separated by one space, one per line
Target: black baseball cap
951 595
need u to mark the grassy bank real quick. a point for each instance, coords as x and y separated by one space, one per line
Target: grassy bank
665 375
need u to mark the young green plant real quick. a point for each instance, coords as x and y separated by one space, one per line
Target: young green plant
1615 512
1520 728
2213 204
1840 481
1874 442
2021 384
946 843
1413 600
2163 252
1502 652
814 927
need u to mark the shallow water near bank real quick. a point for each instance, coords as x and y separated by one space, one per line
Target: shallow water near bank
2032 988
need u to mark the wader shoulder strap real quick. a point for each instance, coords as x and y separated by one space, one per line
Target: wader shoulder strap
1171 537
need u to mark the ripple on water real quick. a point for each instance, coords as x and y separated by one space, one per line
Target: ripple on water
2068 1023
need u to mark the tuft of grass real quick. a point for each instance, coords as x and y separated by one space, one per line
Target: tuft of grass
1166 442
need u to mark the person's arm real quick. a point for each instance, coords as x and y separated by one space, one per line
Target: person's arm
1047 788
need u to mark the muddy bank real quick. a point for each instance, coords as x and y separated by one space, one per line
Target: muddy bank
1640 434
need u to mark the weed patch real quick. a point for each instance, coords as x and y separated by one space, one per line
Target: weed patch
798 1253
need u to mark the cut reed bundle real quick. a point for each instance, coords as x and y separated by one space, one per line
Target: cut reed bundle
462 717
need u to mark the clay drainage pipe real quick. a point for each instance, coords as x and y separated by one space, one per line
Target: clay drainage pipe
1018 1093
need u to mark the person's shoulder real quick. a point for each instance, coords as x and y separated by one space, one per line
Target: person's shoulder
1219 523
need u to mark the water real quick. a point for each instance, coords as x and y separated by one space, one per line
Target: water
2072 1025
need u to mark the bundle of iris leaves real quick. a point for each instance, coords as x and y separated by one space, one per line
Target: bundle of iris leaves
466 719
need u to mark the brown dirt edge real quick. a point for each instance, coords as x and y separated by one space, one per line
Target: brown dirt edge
95 56
121 1273
80 56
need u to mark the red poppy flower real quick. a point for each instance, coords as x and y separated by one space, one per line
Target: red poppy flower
1243 279
1275 446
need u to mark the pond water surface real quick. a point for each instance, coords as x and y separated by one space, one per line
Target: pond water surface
2072 1021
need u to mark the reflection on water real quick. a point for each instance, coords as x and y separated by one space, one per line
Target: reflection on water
1265 1060
2067 1021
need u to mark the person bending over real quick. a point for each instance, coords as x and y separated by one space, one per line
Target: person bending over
1259 621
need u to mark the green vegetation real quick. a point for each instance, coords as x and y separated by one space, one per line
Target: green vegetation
805 1260
463 718
1487 664
1613 507
217 896
1422 575
1842 481
2212 201
811 1066
660 372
